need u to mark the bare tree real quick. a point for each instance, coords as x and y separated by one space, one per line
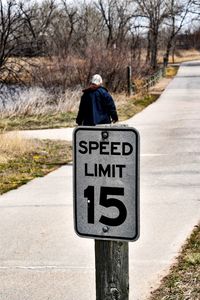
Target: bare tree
155 12
10 23
195 10
90 28
63 28
78 37
36 23
177 13
22 29
116 15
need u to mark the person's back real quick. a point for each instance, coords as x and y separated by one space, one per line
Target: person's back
97 105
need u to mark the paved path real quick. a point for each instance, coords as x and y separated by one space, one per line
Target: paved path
40 255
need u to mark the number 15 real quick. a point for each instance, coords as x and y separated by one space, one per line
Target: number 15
106 202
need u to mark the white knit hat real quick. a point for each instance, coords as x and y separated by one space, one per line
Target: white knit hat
96 79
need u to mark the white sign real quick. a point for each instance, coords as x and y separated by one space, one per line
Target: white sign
106 184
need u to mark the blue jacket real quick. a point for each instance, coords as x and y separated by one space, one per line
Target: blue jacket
96 107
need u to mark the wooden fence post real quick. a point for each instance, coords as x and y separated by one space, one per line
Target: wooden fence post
112 273
129 80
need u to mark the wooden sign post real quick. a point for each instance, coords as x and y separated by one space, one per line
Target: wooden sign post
112 272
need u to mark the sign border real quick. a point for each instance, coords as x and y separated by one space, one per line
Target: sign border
137 185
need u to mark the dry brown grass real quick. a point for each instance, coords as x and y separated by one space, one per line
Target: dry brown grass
120 98
186 55
12 146
23 160
183 280
54 70
182 56
38 101
16 71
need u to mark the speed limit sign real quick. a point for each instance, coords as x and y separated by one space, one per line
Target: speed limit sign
106 182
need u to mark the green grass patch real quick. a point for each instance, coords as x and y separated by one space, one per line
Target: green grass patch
183 281
171 71
56 120
45 157
134 105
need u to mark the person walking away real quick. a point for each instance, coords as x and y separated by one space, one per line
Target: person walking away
96 105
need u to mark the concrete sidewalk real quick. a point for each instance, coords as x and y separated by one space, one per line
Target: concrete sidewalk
40 255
